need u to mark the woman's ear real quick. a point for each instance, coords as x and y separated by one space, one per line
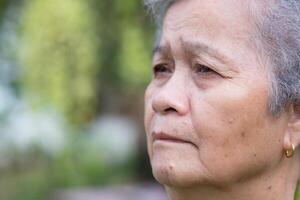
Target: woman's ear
292 136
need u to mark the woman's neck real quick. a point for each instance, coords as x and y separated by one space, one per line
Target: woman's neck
278 184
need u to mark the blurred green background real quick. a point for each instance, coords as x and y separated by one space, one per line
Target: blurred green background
72 77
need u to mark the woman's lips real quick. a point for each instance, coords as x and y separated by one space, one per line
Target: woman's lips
162 137
167 138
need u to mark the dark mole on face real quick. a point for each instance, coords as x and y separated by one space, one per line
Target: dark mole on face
243 134
255 155
270 187
230 121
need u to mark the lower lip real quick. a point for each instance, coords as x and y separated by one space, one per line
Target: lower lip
171 141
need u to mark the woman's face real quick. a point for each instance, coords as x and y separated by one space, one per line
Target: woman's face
206 113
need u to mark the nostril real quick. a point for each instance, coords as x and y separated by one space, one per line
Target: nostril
170 109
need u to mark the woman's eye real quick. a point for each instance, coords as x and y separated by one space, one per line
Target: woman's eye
204 70
161 69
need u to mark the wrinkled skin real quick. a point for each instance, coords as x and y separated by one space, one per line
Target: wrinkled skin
210 92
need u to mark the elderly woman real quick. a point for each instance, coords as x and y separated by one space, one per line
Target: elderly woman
222 112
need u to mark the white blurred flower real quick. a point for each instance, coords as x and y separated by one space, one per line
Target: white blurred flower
115 136
25 128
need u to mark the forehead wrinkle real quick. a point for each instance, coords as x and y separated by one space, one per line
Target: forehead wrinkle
197 48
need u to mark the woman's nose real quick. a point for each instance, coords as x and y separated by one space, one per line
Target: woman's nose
171 98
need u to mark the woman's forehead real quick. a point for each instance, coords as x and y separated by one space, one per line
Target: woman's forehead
214 14
222 30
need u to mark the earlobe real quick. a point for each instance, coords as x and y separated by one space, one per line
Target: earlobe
290 151
292 136
288 145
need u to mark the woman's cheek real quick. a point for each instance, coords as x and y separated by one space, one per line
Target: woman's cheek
148 107
228 124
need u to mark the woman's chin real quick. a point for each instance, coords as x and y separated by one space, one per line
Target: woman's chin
174 174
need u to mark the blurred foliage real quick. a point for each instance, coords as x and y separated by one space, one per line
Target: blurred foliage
70 50
83 59
59 50
36 175
3 6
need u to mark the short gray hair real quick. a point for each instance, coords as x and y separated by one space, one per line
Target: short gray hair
158 9
278 34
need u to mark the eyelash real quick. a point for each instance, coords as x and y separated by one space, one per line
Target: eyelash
164 69
204 70
161 69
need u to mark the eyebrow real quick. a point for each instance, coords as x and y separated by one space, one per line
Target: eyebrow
197 49
160 49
